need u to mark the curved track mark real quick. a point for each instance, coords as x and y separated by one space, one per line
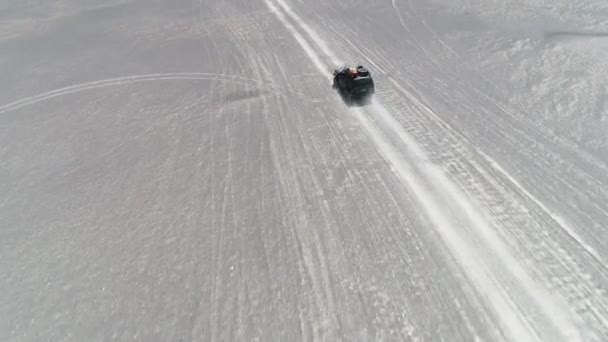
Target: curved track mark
137 79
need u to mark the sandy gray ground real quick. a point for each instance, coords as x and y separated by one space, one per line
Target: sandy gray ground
180 170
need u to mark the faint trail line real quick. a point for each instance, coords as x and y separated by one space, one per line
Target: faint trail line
143 78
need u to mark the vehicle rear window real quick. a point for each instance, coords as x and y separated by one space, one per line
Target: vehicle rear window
362 82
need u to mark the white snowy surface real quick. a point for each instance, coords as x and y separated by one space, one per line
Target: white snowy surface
182 170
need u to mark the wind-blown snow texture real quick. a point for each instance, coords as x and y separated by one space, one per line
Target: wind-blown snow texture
181 170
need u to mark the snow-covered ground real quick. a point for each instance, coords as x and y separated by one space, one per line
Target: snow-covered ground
181 170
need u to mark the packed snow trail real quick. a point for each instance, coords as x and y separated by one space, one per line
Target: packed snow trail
515 322
183 171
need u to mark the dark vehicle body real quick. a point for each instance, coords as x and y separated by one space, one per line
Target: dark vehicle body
354 84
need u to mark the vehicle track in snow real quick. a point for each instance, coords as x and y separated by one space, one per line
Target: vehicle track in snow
182 171
314 241
112 82
567 263
547 141
595 294
326 287
593 170
586 266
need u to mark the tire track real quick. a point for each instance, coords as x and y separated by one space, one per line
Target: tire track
564 142
560 262
141 78
285 203
524 131
494 203
516 220
424 110
561 324
492 116
314 266
360 176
